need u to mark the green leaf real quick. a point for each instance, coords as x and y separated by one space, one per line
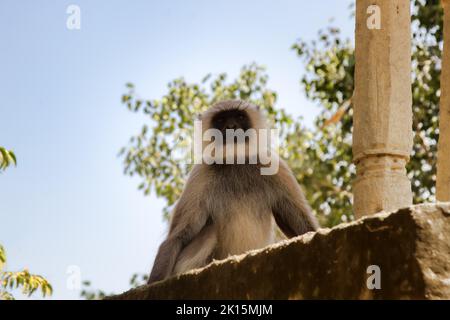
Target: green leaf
13 157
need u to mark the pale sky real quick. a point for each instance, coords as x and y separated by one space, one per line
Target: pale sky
68 202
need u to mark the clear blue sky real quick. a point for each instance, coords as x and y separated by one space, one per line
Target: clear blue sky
68 202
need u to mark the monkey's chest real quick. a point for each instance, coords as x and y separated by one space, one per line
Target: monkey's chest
239 202
241 225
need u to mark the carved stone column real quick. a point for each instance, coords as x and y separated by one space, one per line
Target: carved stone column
382 136
443 160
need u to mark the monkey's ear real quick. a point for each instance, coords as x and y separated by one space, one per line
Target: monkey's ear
258 107
198 116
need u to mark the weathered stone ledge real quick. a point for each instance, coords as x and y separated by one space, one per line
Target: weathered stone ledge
411 247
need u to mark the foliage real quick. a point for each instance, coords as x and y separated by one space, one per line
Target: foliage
138 280
89 293
28 283
158 153
7 157
150 154
329 81
10 280
321 158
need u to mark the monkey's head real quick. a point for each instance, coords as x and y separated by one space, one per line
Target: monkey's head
235 123
233 114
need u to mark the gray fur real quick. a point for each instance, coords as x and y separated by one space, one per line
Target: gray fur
229 209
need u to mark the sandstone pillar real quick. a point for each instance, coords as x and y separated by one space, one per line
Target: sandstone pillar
382 136
443 161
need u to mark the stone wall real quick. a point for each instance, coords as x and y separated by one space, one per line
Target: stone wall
411 248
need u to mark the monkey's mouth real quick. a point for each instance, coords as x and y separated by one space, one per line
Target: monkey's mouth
235 137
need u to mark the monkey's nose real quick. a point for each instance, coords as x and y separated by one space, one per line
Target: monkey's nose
232 125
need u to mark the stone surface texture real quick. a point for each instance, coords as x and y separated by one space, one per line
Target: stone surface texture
382 119
411 247
443 162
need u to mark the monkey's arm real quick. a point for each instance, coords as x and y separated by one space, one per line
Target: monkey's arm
187 221
291 210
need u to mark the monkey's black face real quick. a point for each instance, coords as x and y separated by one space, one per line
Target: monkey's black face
231 119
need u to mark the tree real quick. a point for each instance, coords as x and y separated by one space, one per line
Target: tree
329 81
321 158
89 293
24 280
9 280
7 157
159 153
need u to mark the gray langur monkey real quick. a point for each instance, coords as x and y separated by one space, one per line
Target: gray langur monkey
227 209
